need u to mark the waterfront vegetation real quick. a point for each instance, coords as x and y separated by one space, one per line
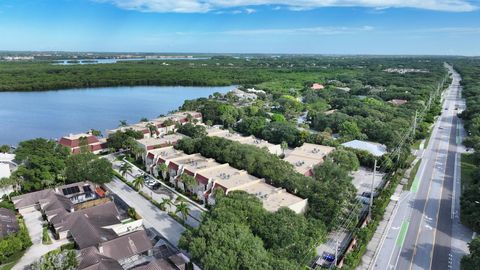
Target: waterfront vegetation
276 74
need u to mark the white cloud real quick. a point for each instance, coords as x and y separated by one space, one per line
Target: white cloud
311 31
455 30
201 6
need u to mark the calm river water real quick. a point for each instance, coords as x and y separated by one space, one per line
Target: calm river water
52 114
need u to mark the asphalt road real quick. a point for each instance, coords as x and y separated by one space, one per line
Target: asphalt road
425 231
153 217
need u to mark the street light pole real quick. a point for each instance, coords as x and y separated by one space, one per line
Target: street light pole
372 189
336 252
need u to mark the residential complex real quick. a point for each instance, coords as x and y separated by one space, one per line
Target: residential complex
104 235
75 142
211 175
249 140
151 143
159 156
162 125
190 165
307 156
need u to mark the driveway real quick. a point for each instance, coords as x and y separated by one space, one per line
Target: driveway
153 217
33 222
195 215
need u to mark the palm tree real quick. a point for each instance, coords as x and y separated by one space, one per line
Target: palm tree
136 150
152 128
183 209
5 183
189 181
162 169
168 122
96 133
83 143
189 117
125 168
165 202
284 146
138 183
123 123
143 119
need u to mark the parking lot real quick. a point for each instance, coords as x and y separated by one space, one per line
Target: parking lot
362 180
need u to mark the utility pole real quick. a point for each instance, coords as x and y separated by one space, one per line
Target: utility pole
429 101
415 124
336 253
372 189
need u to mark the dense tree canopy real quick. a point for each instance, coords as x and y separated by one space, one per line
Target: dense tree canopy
88 167
472 261
42 163
123 140
239 233
346 159
193 131
4 148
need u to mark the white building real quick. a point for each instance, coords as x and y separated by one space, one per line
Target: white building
375 149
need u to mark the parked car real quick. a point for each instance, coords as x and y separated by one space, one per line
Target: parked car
326 260
367 194
364 200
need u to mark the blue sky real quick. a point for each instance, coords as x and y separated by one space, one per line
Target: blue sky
243 26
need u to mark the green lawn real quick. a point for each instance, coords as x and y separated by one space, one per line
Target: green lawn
45 237
468 167
416 145
12 261
411 177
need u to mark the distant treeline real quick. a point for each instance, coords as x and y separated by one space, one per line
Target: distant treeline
274 74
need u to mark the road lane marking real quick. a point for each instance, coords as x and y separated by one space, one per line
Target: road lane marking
442 186
435 152
455 175
402 234
415 184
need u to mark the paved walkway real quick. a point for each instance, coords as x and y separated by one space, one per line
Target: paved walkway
369 258
34 222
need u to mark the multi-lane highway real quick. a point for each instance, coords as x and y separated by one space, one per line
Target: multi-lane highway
425 231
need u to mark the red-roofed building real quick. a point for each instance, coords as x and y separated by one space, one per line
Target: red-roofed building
317 86
92 143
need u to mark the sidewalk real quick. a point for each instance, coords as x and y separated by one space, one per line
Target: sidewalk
369 258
